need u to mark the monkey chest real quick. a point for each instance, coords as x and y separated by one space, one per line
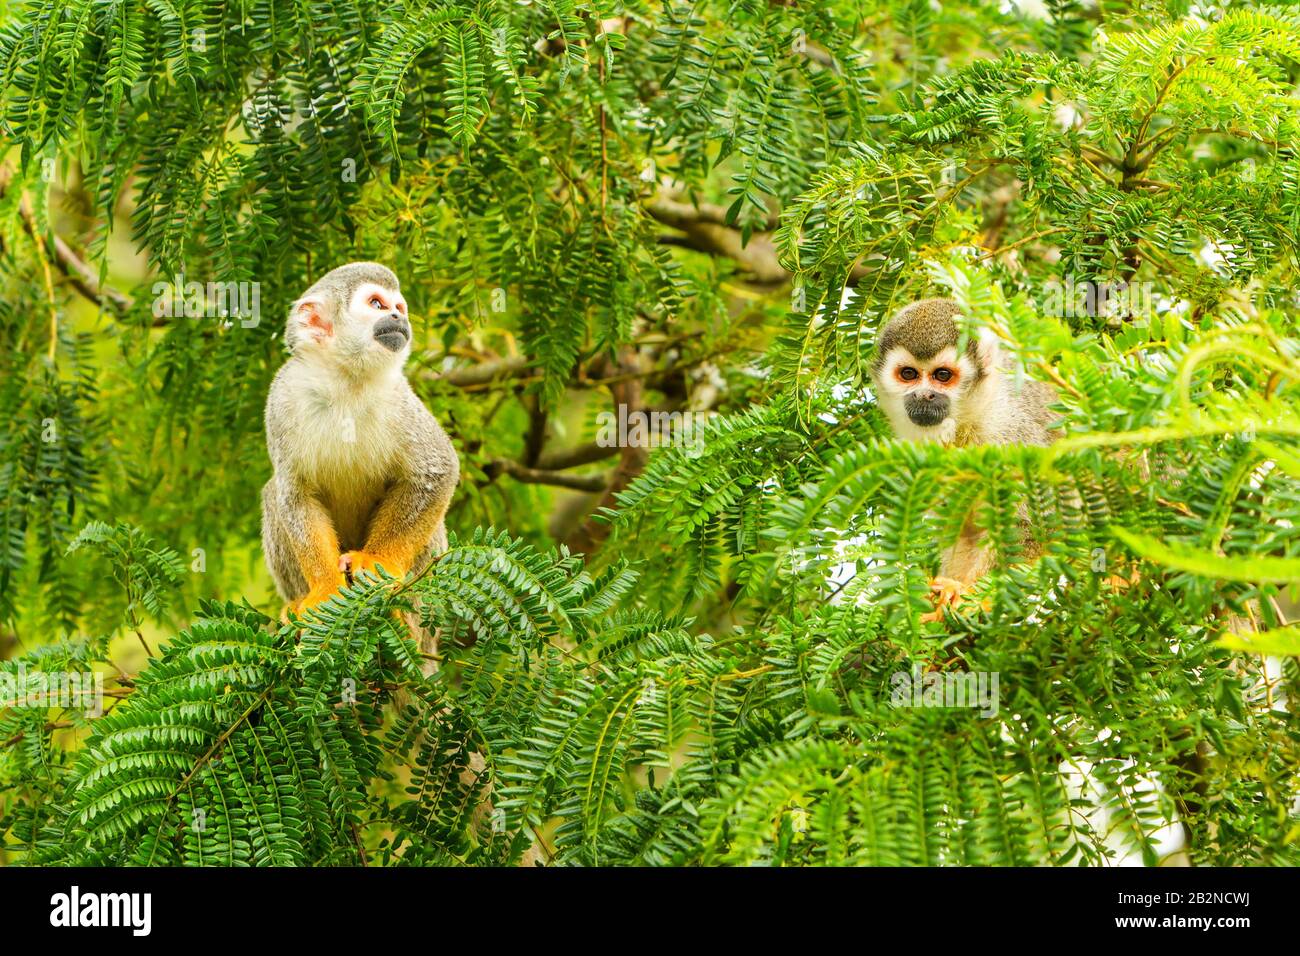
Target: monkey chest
347 453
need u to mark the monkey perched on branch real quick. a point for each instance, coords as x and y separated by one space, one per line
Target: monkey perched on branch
363 472
931 392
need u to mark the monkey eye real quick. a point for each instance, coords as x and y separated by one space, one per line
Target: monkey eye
376 302
908 374
942 374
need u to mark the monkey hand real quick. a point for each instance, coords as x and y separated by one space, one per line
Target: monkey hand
1121 582
353 562
947 592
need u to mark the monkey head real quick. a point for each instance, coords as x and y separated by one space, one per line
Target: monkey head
925 387
355 318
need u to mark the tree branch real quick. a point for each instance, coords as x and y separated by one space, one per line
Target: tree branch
85 281
589 536
82 277
575 457
705 231
538 476
482 374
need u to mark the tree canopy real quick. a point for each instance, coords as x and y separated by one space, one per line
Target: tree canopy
647 248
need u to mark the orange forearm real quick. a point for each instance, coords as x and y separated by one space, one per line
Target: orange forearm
318 549
397 536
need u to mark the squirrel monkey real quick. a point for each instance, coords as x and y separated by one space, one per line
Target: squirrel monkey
931 392
363 473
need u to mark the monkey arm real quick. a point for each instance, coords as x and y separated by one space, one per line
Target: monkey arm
962 565
302 528
401 529
968 560
408 523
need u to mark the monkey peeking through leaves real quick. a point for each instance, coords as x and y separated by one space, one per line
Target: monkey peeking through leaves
929 391
363 473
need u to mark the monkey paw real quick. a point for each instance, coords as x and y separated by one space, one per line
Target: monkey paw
1118 582
353 562
947 592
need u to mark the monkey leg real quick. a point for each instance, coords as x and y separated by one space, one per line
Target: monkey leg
405 534
319 594
353 562
407 525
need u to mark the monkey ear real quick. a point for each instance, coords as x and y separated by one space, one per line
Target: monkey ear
309 321
988 349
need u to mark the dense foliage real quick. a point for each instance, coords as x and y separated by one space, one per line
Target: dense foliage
686 653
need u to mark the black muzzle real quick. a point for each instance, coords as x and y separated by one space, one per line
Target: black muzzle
926 408
393 332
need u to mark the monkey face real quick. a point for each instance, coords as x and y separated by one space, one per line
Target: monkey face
924 397
925 385
380 313
353 318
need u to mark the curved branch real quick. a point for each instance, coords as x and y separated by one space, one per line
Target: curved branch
85 281
705 231
538 476
82 277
